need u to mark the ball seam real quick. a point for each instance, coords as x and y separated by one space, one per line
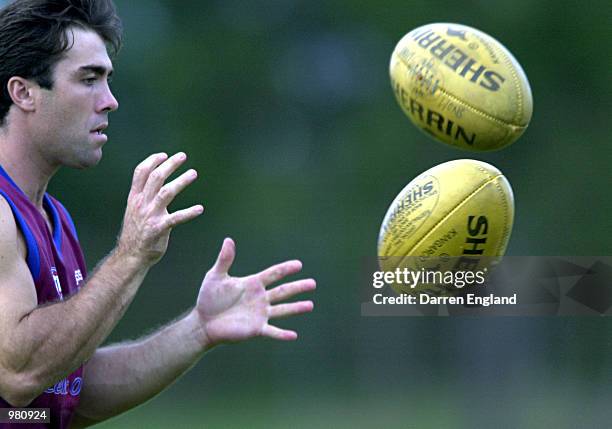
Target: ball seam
453 210
507 228
501 50
478 111
519 92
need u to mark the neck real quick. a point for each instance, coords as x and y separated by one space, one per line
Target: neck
23 162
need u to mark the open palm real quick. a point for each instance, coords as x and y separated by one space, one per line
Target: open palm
237 308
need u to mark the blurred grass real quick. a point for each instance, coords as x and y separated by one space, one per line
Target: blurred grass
434 406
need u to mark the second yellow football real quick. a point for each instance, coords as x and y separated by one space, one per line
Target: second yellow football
457 212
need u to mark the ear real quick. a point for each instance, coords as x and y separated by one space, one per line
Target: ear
23 93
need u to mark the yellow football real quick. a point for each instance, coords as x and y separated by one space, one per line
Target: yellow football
461 86
455 214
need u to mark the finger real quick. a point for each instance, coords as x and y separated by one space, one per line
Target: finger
169 191
278 334
142 170
277 272
291 309
181 216
158 176
226 257
288 290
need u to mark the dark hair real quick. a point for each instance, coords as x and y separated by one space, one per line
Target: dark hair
33 37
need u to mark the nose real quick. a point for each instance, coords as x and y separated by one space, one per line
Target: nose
108 102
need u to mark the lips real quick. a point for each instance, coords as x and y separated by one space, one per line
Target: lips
97 134
98 129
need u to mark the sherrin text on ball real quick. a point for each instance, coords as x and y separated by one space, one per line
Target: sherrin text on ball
461 86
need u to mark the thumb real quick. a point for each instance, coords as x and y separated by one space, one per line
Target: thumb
226 257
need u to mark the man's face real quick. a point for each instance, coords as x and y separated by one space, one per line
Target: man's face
71 117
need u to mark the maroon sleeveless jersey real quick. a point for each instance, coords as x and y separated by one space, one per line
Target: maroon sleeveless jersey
58 269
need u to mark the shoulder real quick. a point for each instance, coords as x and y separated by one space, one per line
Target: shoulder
11 240
8 227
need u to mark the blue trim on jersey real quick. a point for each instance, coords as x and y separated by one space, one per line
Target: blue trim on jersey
70 221
7 177
57 224
33 258
56 221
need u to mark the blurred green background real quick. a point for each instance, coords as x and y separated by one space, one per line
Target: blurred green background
285 109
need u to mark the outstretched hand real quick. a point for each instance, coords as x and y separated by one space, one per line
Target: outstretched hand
237 308
147 222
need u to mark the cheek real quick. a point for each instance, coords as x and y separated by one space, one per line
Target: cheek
65 117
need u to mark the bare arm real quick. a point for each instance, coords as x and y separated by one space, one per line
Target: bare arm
40 345
122 376
228 309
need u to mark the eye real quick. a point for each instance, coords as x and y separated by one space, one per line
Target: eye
90 80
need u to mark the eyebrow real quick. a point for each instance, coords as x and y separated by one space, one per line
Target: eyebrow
98 70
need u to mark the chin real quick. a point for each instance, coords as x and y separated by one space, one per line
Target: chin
88 161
